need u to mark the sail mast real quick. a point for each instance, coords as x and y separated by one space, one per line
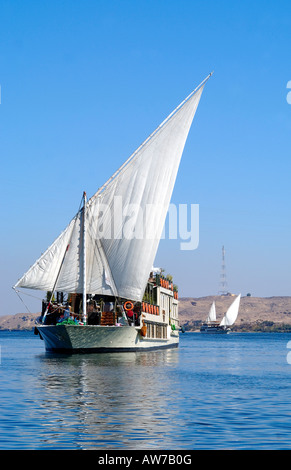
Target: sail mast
84 261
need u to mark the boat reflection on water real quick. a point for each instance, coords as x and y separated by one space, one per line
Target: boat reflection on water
103 398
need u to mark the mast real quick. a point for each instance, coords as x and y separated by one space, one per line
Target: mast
223 282
84 261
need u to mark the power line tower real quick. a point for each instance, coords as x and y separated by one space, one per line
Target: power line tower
223 283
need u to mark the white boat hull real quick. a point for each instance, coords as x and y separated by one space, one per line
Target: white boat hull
98 339
214 330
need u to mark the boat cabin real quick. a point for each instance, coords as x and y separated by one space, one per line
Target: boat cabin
157 311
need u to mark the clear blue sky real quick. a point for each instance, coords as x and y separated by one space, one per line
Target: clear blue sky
83 83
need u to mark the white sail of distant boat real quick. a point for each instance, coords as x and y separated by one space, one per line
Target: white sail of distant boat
103 260
212 314
232 313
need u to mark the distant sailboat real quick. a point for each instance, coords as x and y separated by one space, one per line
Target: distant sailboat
212 314
213 326
231 314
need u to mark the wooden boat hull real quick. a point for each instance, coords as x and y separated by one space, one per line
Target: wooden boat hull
98 339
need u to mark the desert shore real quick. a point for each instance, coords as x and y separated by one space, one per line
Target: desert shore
255 314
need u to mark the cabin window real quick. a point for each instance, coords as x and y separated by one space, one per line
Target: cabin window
150 330
159 331
174 311
156 331
148 335
164 316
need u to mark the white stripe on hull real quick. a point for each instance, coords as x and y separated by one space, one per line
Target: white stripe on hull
92 338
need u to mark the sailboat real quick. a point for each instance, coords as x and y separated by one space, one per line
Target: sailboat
102 292
213 326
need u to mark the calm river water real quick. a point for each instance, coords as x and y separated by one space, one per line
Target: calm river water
213 392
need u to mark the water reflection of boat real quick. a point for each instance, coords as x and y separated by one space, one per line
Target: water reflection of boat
98 268
103 401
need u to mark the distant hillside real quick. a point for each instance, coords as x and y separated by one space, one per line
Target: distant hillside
255 313
20 321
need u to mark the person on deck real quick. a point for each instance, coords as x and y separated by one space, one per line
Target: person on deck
67 312
130 315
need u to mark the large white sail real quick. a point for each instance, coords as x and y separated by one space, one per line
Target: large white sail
124 220
212 314
232 313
